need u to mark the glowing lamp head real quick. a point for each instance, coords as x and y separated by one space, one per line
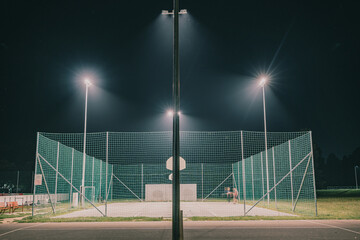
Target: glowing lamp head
87 82
262 82
170 113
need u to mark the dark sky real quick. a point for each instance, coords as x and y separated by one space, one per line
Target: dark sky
312 49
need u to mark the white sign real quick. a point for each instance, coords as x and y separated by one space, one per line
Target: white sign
75 201
38 179
169 164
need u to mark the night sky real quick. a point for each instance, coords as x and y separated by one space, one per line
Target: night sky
311 49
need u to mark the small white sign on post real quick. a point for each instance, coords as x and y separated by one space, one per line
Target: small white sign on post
75 201
38 179
169 164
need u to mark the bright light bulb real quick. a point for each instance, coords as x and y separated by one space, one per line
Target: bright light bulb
87 82
262 82
170 113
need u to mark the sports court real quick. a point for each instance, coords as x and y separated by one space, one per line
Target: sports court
129 174
163 209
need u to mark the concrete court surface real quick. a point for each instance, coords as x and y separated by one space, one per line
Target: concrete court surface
163 209
275 229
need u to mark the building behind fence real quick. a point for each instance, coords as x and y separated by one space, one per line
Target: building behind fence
16 181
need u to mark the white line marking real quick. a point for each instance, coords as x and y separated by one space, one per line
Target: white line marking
345 229
19 229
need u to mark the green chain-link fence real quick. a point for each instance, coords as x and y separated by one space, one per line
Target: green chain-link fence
126 173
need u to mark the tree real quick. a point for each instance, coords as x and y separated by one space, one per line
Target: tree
319 163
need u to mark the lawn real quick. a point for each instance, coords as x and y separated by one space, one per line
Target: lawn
339 204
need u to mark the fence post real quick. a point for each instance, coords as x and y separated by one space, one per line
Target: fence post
252 177
262 174
57 170
238 166
112 181
36 155
291 180
71 174
32 183
267 170
243 171
92 178
202 182
46 185
313 170
100 199
106 169
273 155
142 181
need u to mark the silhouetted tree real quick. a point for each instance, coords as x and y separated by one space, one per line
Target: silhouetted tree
319 163
333 170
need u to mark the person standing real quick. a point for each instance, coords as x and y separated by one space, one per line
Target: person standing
228 193
235 195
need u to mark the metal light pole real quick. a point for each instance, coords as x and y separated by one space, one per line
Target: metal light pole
262 84
17 182
88 84
176 224
176 128
356 181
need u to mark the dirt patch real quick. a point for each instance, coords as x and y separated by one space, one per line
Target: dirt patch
12 219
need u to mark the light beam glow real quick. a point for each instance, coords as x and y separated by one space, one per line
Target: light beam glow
170 113
87 82
263 81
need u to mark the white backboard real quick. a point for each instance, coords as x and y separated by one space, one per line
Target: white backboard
169 164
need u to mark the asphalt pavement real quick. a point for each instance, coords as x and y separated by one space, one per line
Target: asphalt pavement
283 229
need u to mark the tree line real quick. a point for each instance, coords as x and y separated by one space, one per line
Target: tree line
335 171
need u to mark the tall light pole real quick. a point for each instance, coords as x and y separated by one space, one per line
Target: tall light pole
356 182
176 122
88 84
176 129
262 84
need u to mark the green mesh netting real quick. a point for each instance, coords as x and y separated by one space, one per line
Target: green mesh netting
130 168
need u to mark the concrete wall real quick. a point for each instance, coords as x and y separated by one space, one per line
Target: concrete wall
163 192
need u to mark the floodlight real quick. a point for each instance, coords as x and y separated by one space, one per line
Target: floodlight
166 12
170 113
262 82
87 82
